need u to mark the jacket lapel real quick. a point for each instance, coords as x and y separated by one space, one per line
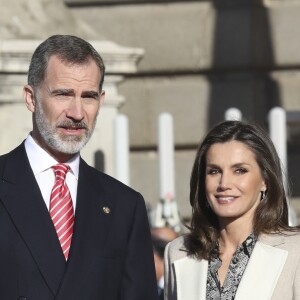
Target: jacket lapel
267 261
191 276
22 198
94 212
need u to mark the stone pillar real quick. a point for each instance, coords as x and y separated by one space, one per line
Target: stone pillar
15 120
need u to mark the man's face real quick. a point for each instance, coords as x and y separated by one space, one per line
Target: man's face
65 107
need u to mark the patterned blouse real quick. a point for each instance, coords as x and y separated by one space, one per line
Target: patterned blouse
214 290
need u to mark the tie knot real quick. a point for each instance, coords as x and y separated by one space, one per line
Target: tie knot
60 171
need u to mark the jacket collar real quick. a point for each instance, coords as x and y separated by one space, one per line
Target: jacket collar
266 260
191 274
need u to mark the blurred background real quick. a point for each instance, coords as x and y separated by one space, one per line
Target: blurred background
190 59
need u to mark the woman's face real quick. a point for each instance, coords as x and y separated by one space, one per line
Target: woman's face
233 181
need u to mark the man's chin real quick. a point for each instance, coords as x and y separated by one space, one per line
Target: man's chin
72 139
69 145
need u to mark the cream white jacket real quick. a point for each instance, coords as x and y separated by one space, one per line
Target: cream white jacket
272 273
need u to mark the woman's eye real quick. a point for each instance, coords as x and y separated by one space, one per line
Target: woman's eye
241 171
213 171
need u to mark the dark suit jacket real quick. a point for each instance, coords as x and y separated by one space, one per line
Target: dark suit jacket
111 253
161 294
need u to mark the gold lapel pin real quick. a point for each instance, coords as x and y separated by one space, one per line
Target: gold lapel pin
106 209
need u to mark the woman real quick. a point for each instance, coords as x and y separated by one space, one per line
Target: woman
240 245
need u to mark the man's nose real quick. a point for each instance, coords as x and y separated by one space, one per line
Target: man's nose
75 110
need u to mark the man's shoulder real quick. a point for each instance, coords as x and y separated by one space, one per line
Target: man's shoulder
106 181
12 154
3 157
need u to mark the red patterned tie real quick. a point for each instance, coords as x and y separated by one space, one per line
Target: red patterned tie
61 208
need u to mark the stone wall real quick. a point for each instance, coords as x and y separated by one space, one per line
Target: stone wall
201 57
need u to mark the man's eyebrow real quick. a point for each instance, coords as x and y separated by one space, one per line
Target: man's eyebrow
92 94
62 91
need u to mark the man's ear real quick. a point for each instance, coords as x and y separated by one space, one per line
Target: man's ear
28 95
102 97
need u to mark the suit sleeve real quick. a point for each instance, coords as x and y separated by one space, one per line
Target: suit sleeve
139 280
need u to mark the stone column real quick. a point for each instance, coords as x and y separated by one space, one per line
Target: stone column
15 120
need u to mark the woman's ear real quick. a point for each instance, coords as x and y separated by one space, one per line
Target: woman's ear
264 186
28 95
263 192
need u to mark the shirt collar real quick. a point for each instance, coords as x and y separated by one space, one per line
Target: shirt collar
161 282
40 160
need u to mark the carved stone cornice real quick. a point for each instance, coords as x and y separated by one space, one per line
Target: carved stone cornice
15 55
118 59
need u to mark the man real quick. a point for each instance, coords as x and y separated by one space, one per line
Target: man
67 231
161 236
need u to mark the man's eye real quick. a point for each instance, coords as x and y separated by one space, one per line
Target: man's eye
61 95
90 97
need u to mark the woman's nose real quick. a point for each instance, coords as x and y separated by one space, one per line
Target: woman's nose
224 183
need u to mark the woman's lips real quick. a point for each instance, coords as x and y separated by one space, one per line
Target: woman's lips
225 199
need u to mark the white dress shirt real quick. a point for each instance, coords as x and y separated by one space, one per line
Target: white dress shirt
161 283
41 163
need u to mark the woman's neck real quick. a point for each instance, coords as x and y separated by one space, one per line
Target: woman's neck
232 234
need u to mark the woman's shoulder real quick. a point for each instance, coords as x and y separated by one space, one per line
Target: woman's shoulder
178 243
285 238
292 237
177 249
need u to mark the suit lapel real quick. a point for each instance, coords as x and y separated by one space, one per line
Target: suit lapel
94 212
191 277
266 261
22 198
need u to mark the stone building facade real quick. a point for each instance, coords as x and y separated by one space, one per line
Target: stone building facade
200 58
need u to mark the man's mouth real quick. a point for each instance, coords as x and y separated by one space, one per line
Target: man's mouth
73 128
